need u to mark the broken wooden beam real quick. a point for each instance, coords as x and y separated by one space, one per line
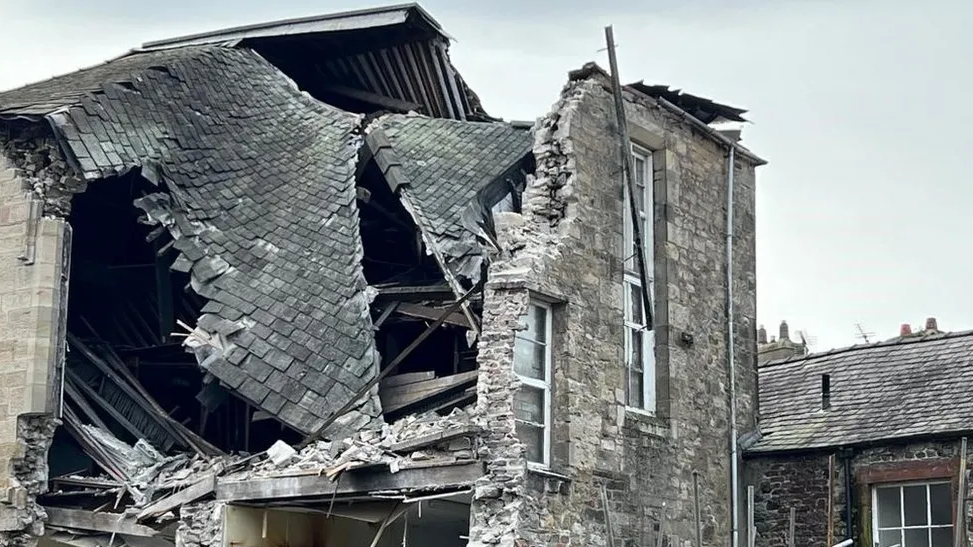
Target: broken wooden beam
109 523
203 487
389 103
352 482
406 378
399 397
433 439
388 369
404 293
426 312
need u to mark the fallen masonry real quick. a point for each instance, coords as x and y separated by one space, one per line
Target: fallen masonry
290 285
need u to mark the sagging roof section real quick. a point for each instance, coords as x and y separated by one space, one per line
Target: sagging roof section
260 184
872 394
456 173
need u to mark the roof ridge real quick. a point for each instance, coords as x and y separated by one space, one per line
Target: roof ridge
897 341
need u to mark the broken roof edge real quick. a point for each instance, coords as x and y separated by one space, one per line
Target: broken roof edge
897 341
756 451
592 71
239 32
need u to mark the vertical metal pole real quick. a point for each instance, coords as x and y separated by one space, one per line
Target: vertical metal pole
831 469
731 356
608 520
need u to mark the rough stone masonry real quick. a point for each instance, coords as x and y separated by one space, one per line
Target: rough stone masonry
34 258
566 247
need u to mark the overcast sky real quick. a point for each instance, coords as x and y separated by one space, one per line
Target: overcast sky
864 212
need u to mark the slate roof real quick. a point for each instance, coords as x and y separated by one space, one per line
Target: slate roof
260 182
897 389
446 163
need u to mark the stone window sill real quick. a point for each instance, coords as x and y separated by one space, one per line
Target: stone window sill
547 481
646 422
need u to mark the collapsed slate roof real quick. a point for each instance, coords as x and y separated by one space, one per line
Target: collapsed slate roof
257 189
455 170
260 182
901 388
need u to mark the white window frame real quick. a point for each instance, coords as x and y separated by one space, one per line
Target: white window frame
929 526
543 385
631 279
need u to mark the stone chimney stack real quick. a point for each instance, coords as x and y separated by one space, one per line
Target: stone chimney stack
931 324
905 330
779 347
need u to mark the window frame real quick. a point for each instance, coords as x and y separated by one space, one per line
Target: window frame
928 527
631 279
543 385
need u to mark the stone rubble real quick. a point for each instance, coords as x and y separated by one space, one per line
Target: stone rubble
374 447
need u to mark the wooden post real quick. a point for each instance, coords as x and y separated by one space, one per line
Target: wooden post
831 465
627 169
959 531
751 529
791 526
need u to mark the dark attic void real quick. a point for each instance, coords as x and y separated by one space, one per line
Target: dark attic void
389 59
127 371
439 373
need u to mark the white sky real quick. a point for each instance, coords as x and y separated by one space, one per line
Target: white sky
859 106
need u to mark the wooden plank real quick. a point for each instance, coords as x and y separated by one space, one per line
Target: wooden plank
76 398
388 369
384 101
431 385
352 482
426 312
463 398
199 489
407 378
105 405
396 400
435 438
110 523
415 292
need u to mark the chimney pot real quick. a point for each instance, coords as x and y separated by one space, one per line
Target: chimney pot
785 332
905 329
931 324
761 335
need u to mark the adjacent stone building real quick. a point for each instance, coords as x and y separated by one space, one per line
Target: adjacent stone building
340 304
867 443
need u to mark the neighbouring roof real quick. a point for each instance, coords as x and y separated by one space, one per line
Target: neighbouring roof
447 165
891 390
261 190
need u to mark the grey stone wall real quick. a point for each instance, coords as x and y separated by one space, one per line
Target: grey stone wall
567 246
801 481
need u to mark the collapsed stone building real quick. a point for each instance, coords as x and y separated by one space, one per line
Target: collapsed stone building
290 284
866 443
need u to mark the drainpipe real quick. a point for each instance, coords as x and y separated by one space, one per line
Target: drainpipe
734 471
848 454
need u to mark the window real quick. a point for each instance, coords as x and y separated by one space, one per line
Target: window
913 515
639 337
532 402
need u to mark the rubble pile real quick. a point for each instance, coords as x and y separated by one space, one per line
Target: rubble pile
389 446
